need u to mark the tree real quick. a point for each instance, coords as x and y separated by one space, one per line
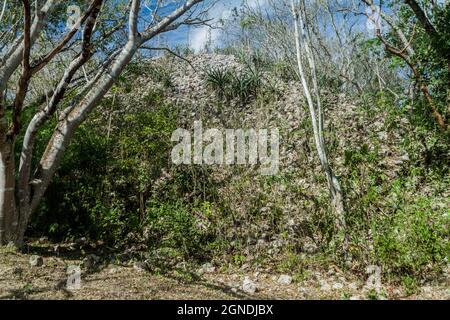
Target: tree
424 49
271 32
312 93
103 48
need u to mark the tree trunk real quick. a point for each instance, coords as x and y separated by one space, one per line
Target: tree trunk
8 208
315 109
14 211
21 191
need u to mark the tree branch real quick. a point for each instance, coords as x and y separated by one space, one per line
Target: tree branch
171 52
42 116
26 72
45 60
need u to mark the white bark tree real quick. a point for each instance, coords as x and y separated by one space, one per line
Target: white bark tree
22 186
312 94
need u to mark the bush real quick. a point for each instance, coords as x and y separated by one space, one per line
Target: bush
172 225
414 240
76 190
104 180
245 85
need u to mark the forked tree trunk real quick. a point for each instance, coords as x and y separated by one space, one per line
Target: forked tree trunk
14 211
20 190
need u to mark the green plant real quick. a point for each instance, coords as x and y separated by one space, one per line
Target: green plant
174 226
410 285
245 85
229 84
161 74
219 79
107 173
413 241
238 259
292 263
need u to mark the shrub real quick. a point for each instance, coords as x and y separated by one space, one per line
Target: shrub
414 240
245 86
172 225
104 181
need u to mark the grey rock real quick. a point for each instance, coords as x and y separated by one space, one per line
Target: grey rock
285 279
248 286
36 261
397 292
113 270
261 243
43 240
353 286
303 292
325 286
427 290
405 157
310 248
383 135
337 286
208 268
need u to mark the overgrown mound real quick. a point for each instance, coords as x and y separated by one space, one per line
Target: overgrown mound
394 170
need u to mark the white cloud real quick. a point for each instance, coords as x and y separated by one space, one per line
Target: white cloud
201 35
200 38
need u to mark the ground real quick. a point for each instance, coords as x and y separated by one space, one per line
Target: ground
112 280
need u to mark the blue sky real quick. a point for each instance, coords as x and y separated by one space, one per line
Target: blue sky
197 37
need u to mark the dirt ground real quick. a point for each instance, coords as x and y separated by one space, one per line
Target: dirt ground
109 280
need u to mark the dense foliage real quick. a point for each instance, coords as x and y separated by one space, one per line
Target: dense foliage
117 183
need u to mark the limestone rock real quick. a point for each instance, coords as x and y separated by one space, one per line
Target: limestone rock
36 261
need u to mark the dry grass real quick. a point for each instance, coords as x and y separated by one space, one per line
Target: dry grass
18 280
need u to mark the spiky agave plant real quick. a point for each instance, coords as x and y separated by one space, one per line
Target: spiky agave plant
245 85
219 80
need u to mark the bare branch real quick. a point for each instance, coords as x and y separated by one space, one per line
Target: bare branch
171 52
26 72
43 62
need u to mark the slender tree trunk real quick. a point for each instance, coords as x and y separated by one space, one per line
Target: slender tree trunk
315 108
